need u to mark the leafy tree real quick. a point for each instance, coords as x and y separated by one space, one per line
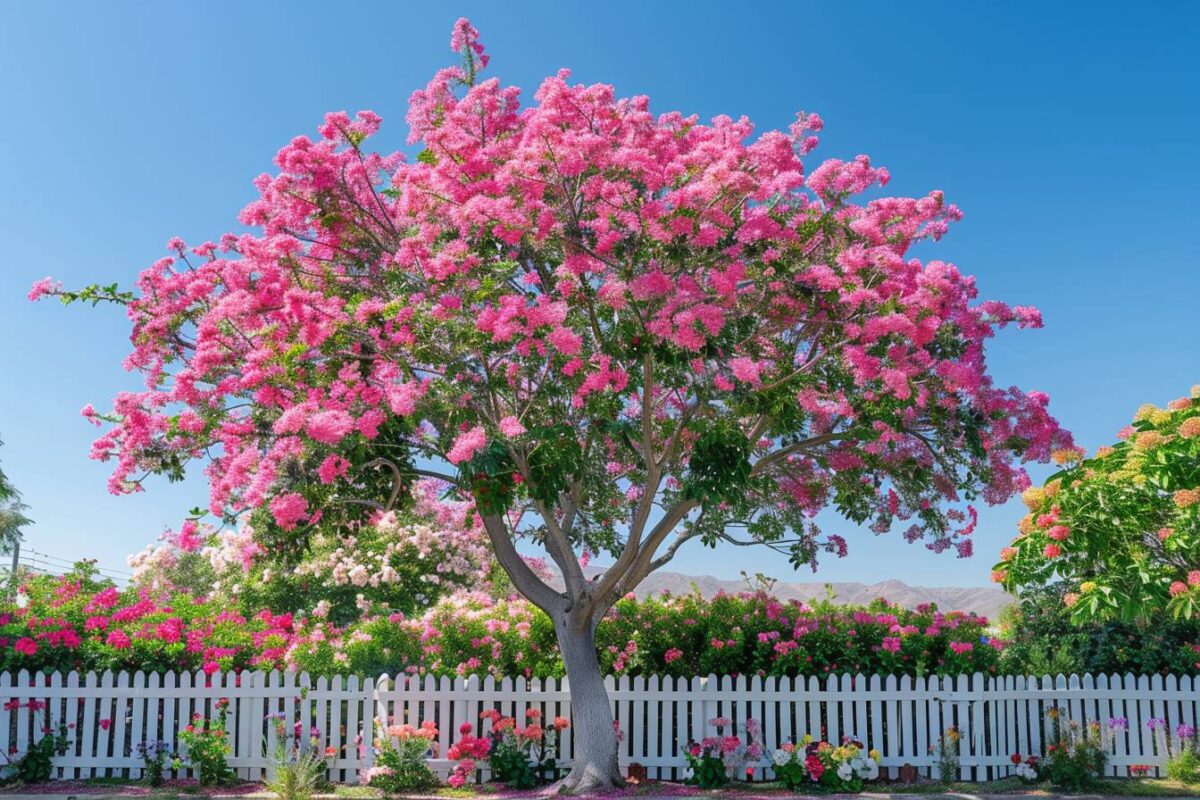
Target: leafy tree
1122 528
12 514
617 332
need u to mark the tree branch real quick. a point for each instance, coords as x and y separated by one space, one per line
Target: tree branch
524 579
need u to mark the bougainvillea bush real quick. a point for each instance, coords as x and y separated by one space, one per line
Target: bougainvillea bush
617 331
76 622
1122 528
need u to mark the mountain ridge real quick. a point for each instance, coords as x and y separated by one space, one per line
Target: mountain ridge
986 601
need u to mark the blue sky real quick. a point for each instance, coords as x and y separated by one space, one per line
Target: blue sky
1066 133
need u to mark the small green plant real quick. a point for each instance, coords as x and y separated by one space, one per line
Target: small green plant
155 755
36 765
299 765
1076 755
946 754
1182 750
206 744
400 758
789 764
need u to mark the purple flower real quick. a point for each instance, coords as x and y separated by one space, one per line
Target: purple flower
1155 723
1118 724
1185 731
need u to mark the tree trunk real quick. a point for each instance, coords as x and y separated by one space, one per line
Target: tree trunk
594 764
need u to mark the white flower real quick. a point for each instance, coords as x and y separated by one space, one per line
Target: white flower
857 764
844 771
870 771
781 757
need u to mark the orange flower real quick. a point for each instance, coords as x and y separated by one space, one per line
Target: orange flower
1148 439
1190 428
1187 497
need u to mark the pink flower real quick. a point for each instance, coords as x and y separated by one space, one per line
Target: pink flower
746 370
1052 551
26 646
117 639
511 427
672 655
1059 533
288 510
332 468
467 445
329 427
43 287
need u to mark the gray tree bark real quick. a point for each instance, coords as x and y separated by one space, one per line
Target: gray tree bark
594 756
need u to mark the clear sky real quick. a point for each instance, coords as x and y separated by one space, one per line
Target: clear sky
1067 132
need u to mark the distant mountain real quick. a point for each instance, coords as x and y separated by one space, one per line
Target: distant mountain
984 600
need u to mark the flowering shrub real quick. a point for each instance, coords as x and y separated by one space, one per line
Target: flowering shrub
1181 748
754 633
400 758
206 747
398 561
1026 767
466 752
716 760
1076 753
76 622
524 756
1122 527
844 767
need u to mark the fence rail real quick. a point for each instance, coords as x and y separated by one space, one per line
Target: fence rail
902 717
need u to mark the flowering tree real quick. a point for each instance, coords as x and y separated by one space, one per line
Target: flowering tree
1123 527
617 332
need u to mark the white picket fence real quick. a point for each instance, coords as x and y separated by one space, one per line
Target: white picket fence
902 717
